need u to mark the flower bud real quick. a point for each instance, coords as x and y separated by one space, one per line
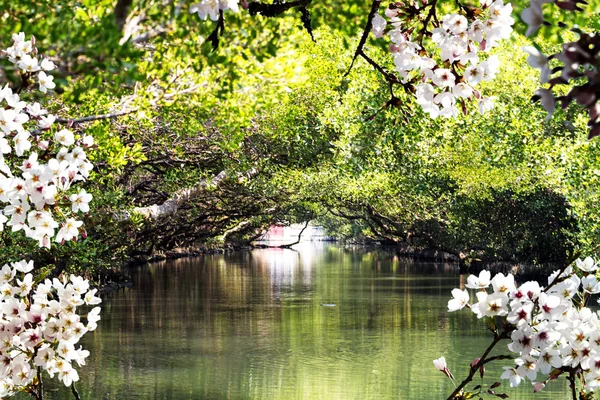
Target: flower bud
538 386
440 364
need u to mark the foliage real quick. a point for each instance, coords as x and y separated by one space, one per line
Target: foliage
297 137
198 145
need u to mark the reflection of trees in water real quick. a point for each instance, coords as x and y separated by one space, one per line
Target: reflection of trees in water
251 325
224 292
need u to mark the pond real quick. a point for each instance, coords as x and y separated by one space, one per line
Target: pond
323 322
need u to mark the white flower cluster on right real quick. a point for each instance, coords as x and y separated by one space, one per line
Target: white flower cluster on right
574 66
458 43
552 330
39 162
40 326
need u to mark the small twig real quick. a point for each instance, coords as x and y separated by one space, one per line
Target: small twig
566 265
74 391
272 10
94 117
81 120
389 77
482 361
502 357
378 67
463 8
431 14
217 32
363 39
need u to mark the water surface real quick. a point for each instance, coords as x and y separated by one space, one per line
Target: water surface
323 322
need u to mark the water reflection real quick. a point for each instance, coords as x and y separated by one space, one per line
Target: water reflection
253 325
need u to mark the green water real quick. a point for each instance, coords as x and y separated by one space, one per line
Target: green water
252 325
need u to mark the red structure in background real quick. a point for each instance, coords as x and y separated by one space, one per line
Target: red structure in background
276 232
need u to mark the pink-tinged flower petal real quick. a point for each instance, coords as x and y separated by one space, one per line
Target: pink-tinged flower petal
538 386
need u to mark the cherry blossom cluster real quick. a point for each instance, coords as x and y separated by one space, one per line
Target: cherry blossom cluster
579 61
448 68
39 160
533 15
551 330
23 54
40 327
211 8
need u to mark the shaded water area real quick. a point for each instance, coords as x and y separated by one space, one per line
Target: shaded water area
323 322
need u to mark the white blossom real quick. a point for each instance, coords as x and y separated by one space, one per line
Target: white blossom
461 299
551 329
379 23
479 282
46 82
533 17
587 265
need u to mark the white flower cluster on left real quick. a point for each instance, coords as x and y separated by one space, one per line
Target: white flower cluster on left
552 330
457 44
40 163
39 160
40 326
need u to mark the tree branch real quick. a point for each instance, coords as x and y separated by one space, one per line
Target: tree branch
94 117
238 228
502 357
277 8
171 206
572 384
216 34
340 214
389 77
40 384
74 391
482 361
363 39
569 261
81 120
431 14
285 246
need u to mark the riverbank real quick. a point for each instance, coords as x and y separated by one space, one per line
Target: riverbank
521 270
465 265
